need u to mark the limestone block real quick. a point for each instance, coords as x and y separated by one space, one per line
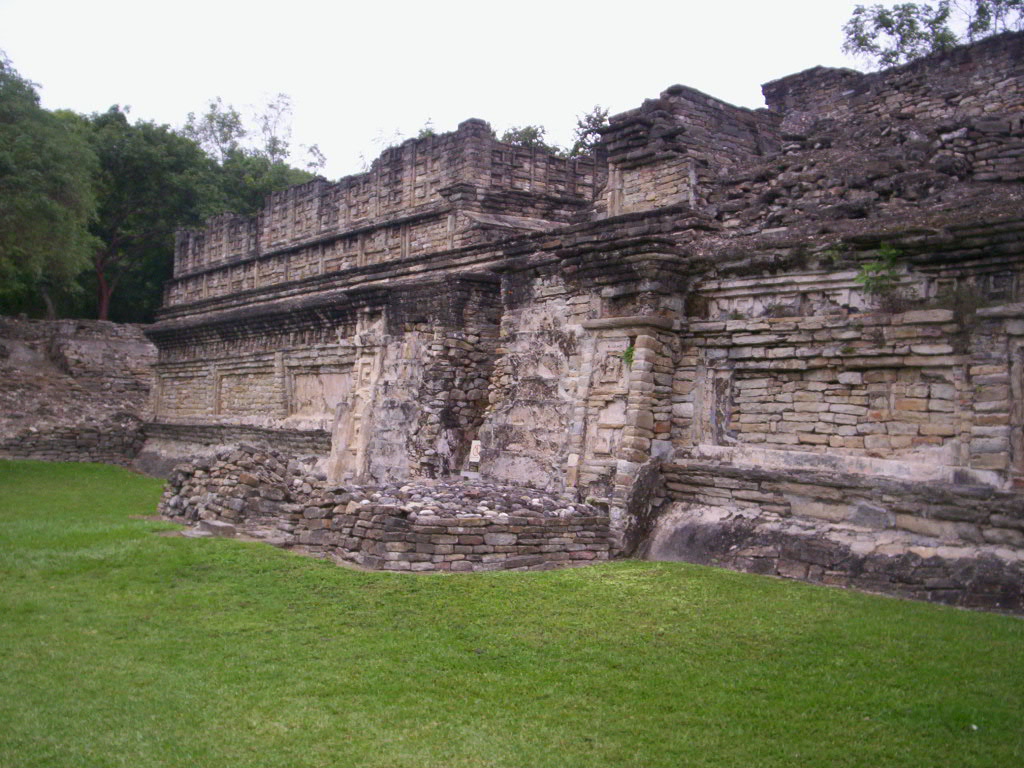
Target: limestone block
937 428
683 410
806 507
931 349
878 443
996 461
926 316
938 529
910 404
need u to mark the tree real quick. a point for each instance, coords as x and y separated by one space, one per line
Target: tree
46 198
889 36
530 137
276 127
316 160
427 130
588 131
247 176
219 130
249 171
150 181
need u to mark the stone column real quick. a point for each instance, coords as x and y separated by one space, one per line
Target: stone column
647 390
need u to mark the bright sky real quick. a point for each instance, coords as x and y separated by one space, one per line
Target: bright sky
359 73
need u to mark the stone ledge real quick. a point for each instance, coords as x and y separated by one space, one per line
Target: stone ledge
633 321
895 563
743 456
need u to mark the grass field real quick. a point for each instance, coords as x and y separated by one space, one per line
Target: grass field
119 647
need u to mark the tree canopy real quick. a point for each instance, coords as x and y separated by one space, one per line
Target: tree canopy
252 162
150 181
89 204
586 135
891 35
530 137
46 197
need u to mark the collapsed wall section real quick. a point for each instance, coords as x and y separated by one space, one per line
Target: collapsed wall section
389 381
73 390
426 526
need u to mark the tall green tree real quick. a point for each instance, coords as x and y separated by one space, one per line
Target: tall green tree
891 35
46 198
151 181
219 130
252 161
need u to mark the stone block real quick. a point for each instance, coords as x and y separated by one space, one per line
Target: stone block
877 443
926 316
931 349
910 404
217 528
493 539
941 429
938 529
997 461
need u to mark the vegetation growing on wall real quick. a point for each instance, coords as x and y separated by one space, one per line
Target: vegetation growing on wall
881 276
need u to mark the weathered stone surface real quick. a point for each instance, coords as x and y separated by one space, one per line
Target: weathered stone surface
905 564
73 390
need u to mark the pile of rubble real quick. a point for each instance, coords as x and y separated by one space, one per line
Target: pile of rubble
429 525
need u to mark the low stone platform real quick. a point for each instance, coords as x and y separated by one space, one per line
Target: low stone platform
891 562
957 544
427 525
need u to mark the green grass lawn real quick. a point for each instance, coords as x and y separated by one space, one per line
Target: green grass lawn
119 647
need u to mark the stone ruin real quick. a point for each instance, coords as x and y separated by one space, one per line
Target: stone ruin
787 340
73 390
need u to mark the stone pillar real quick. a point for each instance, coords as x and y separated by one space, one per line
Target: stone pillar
643 418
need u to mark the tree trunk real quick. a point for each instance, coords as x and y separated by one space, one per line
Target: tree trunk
51 308
103 291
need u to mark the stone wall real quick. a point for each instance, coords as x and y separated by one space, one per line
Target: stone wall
970 81
916 386
670 150
438 193
73 390
432 526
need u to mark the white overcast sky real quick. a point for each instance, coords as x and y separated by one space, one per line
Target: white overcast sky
359 73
